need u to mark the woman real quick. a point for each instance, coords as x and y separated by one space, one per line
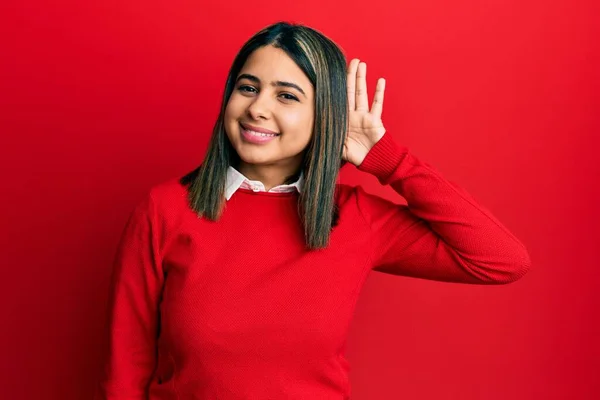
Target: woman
239 280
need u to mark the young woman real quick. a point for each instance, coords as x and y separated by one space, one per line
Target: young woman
239 280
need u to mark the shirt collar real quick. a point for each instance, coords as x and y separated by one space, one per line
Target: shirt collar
236 180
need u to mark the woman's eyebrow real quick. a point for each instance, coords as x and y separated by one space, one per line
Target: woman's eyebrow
276 83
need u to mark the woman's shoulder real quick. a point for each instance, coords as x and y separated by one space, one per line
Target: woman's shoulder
346 193
363 199
168 194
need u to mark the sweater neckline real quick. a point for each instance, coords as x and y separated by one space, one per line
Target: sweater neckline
269 194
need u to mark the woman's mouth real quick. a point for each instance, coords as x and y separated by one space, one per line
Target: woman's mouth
254 136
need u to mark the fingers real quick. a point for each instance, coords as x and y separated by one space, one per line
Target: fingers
351 82
377 106
358 98
362 100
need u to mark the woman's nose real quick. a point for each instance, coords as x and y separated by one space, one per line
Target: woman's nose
260 107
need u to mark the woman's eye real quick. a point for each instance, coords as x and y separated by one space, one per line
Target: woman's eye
245 88
250 89
288 96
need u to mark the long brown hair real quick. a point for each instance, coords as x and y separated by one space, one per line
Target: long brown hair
324 64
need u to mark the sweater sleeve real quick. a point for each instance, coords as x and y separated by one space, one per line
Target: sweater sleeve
136 285
442 233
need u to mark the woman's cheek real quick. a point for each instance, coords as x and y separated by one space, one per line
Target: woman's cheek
297 121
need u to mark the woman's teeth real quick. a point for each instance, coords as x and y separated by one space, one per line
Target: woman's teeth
261 134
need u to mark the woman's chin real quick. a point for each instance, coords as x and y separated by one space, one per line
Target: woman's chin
257 159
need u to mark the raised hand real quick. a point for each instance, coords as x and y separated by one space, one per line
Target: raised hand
365 127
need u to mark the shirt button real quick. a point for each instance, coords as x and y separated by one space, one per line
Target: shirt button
255 188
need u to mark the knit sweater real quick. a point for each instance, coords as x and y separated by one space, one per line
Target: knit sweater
238 309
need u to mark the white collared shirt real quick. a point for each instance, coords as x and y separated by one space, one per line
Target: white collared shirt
236 180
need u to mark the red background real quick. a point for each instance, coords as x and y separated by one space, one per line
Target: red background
101 101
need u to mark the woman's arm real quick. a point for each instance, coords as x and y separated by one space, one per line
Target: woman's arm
136 285
443 233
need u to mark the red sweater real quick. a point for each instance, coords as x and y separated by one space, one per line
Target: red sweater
239 310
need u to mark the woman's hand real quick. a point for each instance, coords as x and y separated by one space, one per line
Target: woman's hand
364 127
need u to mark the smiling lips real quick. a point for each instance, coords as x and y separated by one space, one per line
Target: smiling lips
257 135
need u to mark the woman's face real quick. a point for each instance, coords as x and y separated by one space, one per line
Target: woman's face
272 95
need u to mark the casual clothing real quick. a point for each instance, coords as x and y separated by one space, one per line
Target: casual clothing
236 180
238 309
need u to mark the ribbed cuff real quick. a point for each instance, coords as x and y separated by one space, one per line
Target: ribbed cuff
383 159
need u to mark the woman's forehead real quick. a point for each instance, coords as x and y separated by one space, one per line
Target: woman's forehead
270 64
